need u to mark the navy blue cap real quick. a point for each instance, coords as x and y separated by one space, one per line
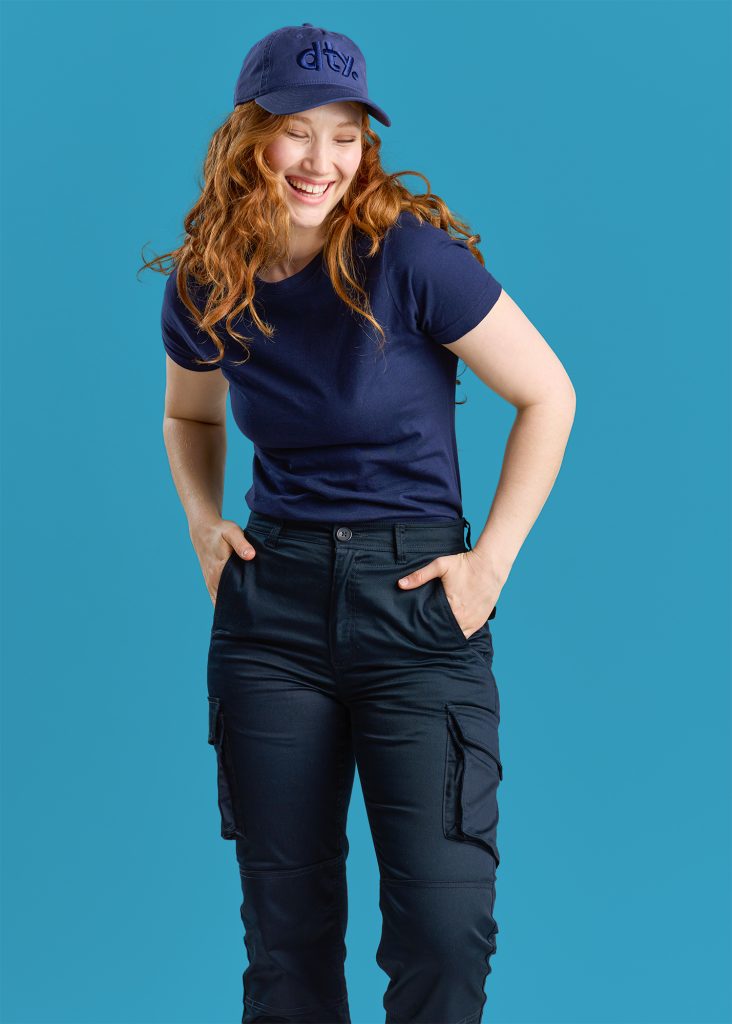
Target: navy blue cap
301 66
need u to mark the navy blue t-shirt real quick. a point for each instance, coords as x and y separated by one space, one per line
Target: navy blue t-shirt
340 430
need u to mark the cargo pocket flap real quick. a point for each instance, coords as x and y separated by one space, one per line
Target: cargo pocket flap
231 818
475 732
473 772
214 705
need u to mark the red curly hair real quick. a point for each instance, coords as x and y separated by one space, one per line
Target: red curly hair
241 223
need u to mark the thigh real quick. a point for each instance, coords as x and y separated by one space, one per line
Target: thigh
430 775
425 729
282 736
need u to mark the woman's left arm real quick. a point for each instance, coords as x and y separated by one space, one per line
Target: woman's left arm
509 355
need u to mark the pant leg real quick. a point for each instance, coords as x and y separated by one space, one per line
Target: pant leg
425 712
285 774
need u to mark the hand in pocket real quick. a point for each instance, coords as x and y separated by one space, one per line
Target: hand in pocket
471 594
215 543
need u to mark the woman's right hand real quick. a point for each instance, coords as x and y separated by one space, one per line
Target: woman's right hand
213 542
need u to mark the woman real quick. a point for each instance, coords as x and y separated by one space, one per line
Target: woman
351 614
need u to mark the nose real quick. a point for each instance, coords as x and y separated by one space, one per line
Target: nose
316 160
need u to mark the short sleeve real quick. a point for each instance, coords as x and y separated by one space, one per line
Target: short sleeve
435 280
182 339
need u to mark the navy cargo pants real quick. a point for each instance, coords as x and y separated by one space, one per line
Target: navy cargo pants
319 662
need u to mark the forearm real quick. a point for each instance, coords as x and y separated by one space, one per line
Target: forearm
531 464
197 457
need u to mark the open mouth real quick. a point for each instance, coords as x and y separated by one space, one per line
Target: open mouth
313 196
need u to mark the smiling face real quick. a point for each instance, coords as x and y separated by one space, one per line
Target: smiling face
321 148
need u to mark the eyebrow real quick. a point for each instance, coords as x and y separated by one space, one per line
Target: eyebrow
341 124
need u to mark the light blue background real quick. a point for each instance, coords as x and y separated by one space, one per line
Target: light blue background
588 144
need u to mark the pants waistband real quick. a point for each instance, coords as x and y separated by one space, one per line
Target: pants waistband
379 535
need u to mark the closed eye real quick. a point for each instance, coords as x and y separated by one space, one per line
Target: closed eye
294 135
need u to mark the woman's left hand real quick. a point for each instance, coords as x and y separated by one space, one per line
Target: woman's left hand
472 586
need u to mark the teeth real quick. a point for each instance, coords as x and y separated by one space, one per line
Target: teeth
304 187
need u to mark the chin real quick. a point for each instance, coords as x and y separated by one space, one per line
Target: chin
316 213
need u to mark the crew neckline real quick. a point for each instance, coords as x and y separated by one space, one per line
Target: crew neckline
294 280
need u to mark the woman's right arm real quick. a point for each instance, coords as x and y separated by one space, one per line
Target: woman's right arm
194 432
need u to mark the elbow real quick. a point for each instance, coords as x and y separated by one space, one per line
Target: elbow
567 403
560 400
563 395
558 395
570 399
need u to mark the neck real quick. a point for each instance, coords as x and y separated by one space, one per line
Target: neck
304 247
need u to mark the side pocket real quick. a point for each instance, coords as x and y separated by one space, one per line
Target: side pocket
480 632
220 591
473 772
231 820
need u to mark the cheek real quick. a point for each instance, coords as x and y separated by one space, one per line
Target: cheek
355 163
350 167
278 155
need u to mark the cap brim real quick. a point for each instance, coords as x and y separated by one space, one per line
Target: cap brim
292 101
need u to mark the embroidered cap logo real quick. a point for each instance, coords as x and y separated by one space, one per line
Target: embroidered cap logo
312 60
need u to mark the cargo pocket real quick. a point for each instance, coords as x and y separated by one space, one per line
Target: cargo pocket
231 820
473 772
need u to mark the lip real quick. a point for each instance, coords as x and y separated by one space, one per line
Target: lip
310 181
309 200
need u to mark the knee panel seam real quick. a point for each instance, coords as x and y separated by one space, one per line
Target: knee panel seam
437 883
323 865
290 1010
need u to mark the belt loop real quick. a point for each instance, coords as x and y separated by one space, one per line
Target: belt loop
273 536
399 543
